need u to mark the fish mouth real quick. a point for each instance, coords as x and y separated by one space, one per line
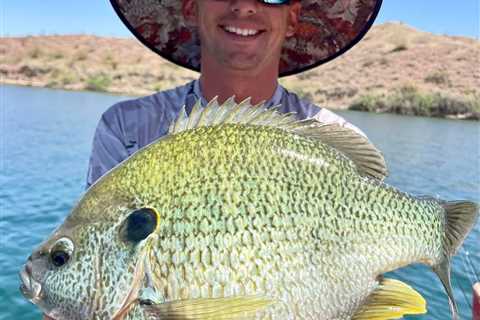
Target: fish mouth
30 288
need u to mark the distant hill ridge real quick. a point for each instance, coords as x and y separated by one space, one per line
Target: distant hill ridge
395 68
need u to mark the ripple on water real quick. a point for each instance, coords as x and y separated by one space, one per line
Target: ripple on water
48 137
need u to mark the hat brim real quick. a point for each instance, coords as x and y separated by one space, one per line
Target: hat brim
326 30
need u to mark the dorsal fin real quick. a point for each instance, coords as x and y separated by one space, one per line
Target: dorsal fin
368 160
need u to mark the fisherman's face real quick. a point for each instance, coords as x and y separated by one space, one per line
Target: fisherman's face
242 34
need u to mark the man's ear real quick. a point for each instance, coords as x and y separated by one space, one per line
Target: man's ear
189 11
293 18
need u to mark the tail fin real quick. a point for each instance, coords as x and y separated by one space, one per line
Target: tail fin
460 218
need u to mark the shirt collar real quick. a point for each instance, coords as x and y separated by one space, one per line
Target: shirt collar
274 100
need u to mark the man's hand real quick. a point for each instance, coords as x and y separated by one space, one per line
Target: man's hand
45 317
476 301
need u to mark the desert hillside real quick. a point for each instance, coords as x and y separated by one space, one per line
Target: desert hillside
395 68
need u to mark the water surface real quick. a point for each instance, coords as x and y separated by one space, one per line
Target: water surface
46 139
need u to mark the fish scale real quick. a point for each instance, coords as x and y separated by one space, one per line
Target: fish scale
230 135
259 217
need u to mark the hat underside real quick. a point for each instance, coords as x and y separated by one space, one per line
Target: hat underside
326 30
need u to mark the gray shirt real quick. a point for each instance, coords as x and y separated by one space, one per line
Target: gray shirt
130 125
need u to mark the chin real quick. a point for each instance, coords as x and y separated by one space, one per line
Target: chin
251 64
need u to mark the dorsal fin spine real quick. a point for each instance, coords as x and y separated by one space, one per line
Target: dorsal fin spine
367 159
194 115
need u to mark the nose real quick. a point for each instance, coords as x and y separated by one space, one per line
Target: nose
244 7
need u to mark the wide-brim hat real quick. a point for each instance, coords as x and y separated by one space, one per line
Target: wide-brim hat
327 28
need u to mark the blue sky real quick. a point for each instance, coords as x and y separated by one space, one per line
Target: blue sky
34 17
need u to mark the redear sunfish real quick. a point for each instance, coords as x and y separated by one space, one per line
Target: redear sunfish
241 212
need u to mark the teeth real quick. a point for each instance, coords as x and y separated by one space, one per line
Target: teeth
241 32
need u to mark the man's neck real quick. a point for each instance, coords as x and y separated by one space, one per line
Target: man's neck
225 83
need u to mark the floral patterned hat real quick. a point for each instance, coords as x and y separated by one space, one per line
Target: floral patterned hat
327 28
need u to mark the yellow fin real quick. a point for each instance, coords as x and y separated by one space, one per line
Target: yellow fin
209 308
391 300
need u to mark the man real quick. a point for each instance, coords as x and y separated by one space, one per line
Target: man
245 46
241 47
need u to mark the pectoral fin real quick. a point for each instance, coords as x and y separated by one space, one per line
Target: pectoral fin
212 308
391 300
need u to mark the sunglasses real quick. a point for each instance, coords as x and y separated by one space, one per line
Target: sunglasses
271 2
275 2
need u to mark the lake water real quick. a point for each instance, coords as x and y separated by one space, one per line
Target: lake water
45 143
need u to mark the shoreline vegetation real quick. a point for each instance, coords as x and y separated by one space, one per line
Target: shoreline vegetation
394 69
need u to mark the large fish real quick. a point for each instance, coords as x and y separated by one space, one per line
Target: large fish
241 212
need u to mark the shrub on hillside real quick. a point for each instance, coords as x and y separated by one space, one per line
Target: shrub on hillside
35 53
408 100
99 82
438 78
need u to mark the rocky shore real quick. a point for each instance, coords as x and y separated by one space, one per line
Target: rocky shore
395 68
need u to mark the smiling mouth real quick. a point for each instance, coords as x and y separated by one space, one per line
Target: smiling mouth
241 31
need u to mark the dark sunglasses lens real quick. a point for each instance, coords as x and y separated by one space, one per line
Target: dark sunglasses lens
275 1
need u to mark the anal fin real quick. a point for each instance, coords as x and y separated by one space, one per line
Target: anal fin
391 300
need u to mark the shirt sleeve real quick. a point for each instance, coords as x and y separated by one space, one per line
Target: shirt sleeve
108 148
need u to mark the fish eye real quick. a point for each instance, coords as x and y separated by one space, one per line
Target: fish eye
59 258
61 252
